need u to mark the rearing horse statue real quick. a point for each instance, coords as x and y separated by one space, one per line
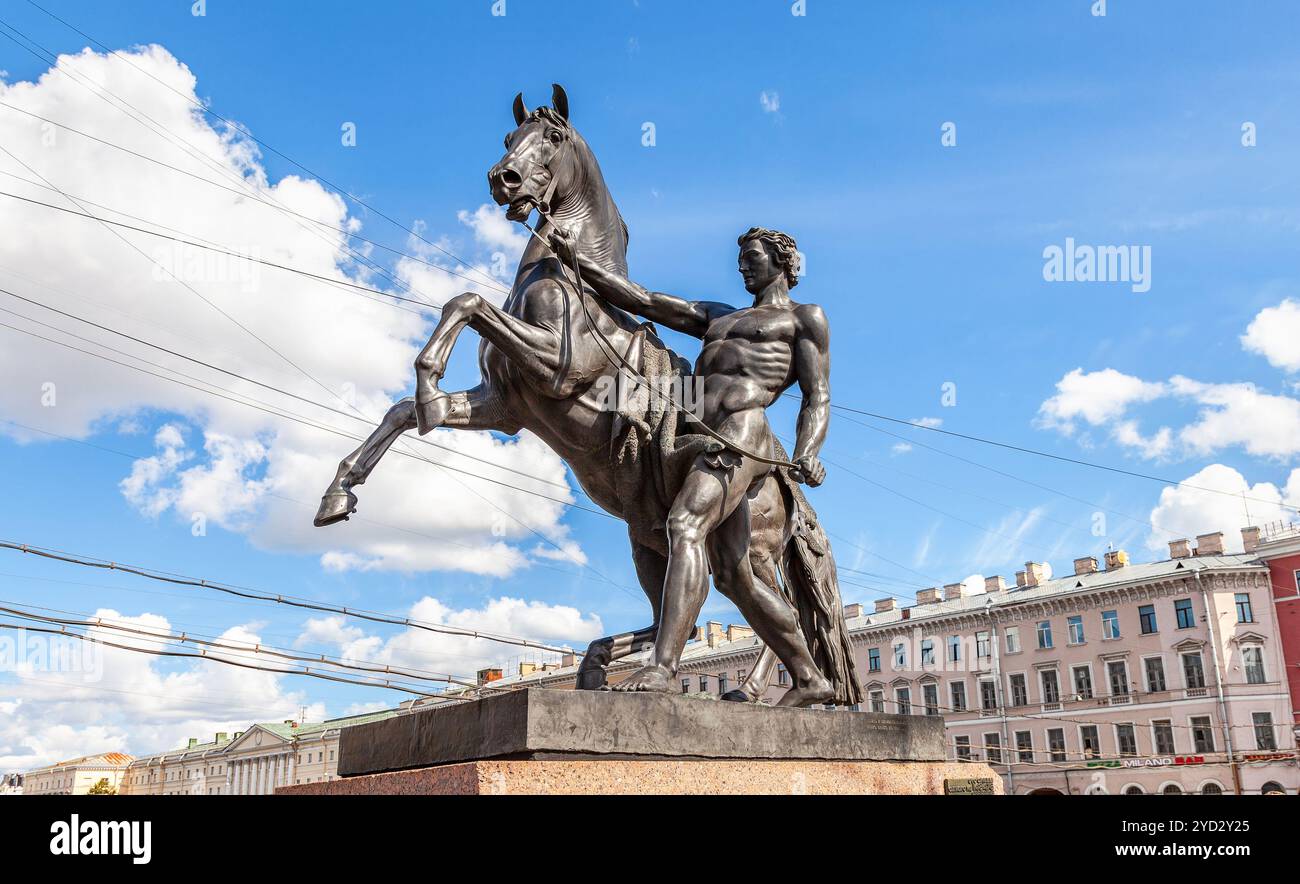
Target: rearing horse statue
546 366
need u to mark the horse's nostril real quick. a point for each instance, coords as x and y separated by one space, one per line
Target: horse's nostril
510 178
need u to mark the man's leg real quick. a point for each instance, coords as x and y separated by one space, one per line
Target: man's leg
708 496
765 609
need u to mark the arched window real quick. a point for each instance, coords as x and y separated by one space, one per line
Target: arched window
1171 789
1272 788
1134 789
1211 788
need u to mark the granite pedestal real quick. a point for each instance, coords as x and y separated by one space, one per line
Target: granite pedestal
550 741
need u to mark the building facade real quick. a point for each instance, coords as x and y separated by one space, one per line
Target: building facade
251 762
1278 546
1161 678
77 776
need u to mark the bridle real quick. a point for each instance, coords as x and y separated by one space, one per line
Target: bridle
544 207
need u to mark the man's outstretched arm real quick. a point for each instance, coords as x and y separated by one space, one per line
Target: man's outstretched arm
689 317
812 365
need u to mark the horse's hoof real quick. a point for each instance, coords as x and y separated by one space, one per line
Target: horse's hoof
335 506
736 697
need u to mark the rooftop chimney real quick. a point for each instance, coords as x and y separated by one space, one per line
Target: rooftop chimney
487 675
194 741
569 659
994 584
852 611
1116 558
928 596
221 737
1250 539
954 590
527 669
1209 544
710 632
1180 549
1085 565
1033 573
736 633
883 605
1020 578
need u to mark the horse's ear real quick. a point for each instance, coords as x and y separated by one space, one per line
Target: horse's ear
521 110
560 100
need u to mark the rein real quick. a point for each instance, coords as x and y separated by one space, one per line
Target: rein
544 210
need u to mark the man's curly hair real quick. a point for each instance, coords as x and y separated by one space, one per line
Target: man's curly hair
783 247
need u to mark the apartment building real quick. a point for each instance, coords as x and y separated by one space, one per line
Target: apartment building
1168 677
77 776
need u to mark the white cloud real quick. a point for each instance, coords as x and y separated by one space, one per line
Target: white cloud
1263 424
460 656
1274 333
931 422
901 447
245 470
770 101
133 703
1096 398
1184 512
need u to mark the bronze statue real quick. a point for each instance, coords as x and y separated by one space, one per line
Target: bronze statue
547 355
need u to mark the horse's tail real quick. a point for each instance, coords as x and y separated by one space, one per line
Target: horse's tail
813 587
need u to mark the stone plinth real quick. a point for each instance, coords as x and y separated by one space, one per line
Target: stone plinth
662 777
543 724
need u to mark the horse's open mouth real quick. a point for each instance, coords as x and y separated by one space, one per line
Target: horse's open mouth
520 208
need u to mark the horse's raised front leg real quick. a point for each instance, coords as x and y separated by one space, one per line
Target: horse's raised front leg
476 409
534 350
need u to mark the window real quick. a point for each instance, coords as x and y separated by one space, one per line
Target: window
958 690
930 696
1155 668
877 701
1117 673
1272 788
1083 682
1172 789
1134 789
1147 619
1202 735
927 652
686 685
1193 670
740 676
873 659
961 746
903 697
988 694
782 675
1244 614
1253 658
954 648
1019 691
1075 625
1265 737
1051 686
1089 740
1162 736
1013 639
1024 746
1045 634
1183 612
993 748
900 655
722 684
982 647
704 684
1126 739
1110 624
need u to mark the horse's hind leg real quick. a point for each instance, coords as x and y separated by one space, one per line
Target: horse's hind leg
650 569
476 409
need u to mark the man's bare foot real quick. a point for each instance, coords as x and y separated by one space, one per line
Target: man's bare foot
814 690
652 678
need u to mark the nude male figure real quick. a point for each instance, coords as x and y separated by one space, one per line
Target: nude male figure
750 356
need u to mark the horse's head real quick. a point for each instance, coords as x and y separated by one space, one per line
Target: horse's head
542 158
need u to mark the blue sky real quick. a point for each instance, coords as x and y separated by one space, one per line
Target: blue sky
1117 130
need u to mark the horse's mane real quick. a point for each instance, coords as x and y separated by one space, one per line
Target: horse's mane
552 116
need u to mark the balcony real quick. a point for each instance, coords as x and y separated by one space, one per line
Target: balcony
1052 707
1196 693
1116 700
